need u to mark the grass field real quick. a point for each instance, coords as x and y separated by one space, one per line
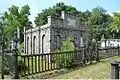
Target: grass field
99 70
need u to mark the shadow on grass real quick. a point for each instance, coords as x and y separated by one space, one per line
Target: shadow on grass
54 73
70 70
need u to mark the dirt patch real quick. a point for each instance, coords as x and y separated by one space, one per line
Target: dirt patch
58 72
48 75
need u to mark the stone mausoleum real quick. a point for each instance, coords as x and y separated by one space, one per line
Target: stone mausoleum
48 38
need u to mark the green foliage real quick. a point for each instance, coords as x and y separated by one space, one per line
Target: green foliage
14 18
6 69
97 20
98 24
67 47
115 25
21 65
84 17
8 64
41 19
22 45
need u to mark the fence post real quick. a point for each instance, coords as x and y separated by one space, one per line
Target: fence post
84 55
114 70
15 56
97 55
118 51
2 67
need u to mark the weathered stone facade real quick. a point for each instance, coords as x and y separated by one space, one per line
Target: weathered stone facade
47 38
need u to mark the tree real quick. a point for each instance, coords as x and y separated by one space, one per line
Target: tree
115 25
41 19
98 23
14 18
84 16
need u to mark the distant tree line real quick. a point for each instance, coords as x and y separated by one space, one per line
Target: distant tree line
97 21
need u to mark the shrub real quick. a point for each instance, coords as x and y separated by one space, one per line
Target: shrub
67 46
62 61
21 65
8 64
22 45
6 69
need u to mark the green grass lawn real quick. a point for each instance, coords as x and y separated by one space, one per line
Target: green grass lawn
99 70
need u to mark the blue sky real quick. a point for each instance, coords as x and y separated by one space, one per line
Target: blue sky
37 5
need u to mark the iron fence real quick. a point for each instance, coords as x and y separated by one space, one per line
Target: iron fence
38 63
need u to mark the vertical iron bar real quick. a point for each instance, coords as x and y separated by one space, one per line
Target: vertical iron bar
24 65
58 61
70 56
39 63
73 57
32 63
51 60
55 61
67 58
21 68
42 62
98 59
35 63
63 56
48 61
45 62
28 66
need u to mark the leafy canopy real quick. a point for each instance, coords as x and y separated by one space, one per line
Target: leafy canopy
115 25
55 10
16 17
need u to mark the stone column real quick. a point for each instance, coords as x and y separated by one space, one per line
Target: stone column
63 14
49 20
25 40
115 70
15 56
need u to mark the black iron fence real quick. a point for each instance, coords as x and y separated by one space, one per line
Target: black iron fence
49 61
38 63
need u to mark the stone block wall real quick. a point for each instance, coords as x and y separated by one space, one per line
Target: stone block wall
46 38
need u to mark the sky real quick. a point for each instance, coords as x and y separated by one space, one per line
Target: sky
38 5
